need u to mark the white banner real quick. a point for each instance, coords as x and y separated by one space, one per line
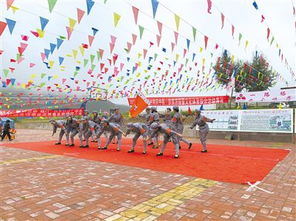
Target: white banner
267 96
263 120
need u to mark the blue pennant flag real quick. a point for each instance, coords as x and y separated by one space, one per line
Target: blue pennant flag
94 31
59 42
52 47
61 59
43 22
11 24
47 52
154 7
89 4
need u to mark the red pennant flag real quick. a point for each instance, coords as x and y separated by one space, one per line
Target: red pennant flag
144 53
268 33
69 32
80 14
134 38
25 37
158 37
111 47
135 12
12 60
159 25
129 46
90 39
262 18
35 33
209 6
222 20
2 27
206 41
176 37
9 3
232 30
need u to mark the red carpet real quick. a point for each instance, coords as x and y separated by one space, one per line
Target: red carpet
233 164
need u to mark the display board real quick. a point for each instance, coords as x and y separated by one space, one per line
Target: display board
263 120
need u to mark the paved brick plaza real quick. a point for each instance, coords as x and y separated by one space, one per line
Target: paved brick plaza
40 186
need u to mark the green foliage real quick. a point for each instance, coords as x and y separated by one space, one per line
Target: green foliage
256 76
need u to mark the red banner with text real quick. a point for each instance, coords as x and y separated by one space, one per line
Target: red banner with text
183 101
41 113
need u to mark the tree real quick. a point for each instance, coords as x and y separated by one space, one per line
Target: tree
257 76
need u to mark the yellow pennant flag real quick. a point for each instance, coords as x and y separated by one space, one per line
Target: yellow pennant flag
177 20
203 61
247 43
232 59
55 76
81 50
139 64
40 33
74 53
200 50
14 9
72 23
116 18
69 55
78 62
33 76
177 57
139 55
51 63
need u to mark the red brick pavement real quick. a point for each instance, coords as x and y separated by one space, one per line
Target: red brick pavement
49 187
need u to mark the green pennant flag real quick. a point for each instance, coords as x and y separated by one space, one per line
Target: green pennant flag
5 71
186 62
272 40
62 37
92 57
93 66
42 84
194 32
75 73
85 62
98 55
42 75
18 56
105 1
51 4
155 56
141 29
239 38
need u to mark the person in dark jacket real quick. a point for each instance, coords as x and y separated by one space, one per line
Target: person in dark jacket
6 130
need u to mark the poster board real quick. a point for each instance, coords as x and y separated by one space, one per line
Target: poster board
260 120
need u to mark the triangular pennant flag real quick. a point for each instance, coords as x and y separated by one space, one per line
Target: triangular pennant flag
14 9
32 65
2 27
129 46
85 61
46 52
43 75
72 22
239 38
40 33
232 30
101 53
5 71
80 14
159 26
43 56
59 42
173 46
194 32
94 31
188 43
268 33
177 20
90 39
24 37
111 47
206 41
176 34
61 59
43 22
51 4
35 33
89 4
144 53
9 3
135 12
74 52
222 20
69 32
116 18
209 6
134 38
21 50
11 24
154 7
92 57
113 39
52 47
158 37
141 29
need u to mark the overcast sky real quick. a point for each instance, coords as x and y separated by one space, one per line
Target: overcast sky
240 13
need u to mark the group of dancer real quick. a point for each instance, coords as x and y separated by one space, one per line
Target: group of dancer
93 126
